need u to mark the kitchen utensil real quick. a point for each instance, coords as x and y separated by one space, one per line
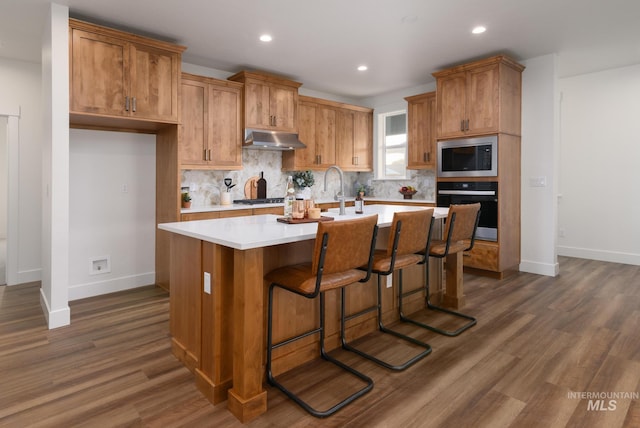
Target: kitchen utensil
262 187
251 188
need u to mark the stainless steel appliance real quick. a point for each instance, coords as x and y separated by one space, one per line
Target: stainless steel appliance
485 192
470 157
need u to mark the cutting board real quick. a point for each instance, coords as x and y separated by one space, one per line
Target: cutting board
251 188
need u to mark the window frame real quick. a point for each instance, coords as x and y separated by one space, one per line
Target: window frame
381 146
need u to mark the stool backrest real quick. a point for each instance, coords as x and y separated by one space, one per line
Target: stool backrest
464 222
349 244
415 228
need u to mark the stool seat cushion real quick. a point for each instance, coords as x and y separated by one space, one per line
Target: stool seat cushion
382 262
300 278
438 247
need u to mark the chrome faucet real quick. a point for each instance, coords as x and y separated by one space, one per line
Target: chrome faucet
341 197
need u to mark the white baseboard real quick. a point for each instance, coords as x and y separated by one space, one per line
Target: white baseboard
29 276
548 269
57 318
602 255
82 291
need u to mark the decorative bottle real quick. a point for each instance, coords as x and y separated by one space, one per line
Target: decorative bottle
359 204
289 199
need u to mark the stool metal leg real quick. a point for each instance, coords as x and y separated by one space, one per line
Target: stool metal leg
271 379
382 328
429 305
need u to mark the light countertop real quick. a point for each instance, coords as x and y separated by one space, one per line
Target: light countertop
214 208
258 231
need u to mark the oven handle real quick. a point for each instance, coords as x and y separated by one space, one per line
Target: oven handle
468 192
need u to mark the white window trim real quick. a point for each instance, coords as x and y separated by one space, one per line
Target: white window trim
380 149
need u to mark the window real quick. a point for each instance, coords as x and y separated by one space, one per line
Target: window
392 145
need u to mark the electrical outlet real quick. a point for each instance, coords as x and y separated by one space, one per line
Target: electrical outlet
389 281
100 265
537 181
207 282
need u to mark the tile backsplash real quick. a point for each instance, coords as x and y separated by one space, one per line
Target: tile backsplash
205 186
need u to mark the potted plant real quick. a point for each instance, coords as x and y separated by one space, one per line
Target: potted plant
408 191
302 181
186 200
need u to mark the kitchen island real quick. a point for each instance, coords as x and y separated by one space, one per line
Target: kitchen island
218 300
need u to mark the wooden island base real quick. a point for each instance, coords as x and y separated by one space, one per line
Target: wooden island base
220 335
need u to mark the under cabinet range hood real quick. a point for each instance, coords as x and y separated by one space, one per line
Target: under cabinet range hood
271 140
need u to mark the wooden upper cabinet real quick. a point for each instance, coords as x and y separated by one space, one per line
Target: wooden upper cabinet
335 134
479 98
119 79
360 146
421 133
210 131
270 102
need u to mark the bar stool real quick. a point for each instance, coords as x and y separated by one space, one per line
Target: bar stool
410 232
341 247
460 230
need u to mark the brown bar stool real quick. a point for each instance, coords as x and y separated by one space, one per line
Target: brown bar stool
460 230
341 247
409 235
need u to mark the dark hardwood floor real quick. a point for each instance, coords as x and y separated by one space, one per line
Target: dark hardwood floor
539 341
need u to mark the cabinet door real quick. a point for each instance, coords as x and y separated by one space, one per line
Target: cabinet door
482 100
303 158
193 130
283 107
421 141
451 101
325 136
257 105
154 84
225 133
99 74
345 157
363 140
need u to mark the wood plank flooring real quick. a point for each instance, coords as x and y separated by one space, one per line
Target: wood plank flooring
538 341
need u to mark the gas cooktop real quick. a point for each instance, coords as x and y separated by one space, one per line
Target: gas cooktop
259 201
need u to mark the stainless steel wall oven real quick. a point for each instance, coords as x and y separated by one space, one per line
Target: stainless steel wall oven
485 192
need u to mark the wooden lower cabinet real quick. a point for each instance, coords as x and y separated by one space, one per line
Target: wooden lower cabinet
202 318
484 255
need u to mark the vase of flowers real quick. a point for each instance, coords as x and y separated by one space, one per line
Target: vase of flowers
408 191
302 181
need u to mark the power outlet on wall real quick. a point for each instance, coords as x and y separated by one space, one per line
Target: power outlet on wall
100 265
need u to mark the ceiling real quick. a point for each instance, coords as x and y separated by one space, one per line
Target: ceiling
320 43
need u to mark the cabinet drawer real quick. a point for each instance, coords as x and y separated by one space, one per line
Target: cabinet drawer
271 210
199 216
484 255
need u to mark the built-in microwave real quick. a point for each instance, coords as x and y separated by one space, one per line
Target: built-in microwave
469 157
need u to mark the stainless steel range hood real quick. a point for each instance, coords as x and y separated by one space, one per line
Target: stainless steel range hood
271 140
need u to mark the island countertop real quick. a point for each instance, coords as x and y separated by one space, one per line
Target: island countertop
243 233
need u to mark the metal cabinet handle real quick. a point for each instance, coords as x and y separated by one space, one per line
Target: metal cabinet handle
204 154
126 103
462 125
466 126
134 104
209 154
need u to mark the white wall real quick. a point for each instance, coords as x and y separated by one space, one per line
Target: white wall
3 179
538 160
112 210
599 206
20 88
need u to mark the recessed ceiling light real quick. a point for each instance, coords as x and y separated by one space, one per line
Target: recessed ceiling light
362 68
266 38
479 30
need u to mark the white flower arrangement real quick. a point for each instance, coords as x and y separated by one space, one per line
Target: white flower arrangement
302 179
